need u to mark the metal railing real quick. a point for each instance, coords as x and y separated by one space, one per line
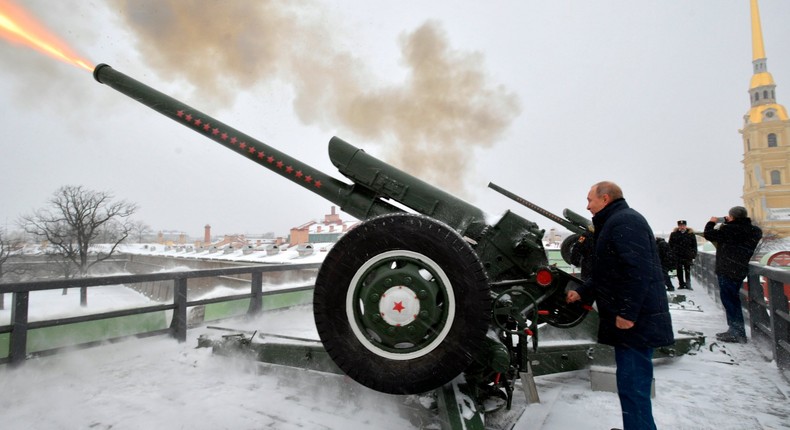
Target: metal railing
765 301
20 324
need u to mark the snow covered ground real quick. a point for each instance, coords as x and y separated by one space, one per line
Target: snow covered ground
283 255
160 383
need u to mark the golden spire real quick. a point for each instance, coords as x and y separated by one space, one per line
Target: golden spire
762 89
758 50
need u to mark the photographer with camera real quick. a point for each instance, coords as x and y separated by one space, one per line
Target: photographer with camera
735 239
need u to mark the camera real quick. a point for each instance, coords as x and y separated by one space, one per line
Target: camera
720 220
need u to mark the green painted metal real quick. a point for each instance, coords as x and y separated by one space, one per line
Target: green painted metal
380 278
233 308
59 336
286 300
299 353
5 341
229 309
457 410
359 203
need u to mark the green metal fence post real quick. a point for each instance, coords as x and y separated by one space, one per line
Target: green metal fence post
257 294
17 350
178 326
780 327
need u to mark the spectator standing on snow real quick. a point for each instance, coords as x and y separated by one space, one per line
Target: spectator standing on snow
735 239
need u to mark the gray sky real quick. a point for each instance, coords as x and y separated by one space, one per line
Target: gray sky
543 98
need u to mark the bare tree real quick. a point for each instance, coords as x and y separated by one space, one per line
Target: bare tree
75 220
141 230
9 246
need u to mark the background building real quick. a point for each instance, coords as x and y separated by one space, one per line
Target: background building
766 146
327 231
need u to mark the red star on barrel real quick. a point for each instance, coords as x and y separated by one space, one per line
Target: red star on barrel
398 307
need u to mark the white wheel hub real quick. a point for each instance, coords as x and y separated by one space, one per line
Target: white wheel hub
399 306
408 302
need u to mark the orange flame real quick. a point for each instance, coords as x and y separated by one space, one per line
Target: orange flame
19 27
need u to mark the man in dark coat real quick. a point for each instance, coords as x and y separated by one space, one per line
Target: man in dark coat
684 246
627 285
667 258
735 240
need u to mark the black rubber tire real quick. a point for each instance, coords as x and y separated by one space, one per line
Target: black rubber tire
566 249
456 340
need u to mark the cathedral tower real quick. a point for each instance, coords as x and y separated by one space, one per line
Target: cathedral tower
766 145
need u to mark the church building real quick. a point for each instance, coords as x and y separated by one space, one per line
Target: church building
766 145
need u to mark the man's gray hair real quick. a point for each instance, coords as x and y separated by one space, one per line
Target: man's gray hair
610 188
738 212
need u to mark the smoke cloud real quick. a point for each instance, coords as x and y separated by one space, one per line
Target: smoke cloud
431 124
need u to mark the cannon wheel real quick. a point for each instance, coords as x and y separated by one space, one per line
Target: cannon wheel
402 304
566 249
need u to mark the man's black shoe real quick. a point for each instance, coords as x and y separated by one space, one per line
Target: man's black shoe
731 338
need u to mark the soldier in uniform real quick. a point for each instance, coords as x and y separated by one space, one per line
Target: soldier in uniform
684 246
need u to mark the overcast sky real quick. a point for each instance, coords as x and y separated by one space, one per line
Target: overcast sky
543 98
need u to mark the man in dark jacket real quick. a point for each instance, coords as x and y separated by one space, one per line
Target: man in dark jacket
627 285
684 246
735 241
667 258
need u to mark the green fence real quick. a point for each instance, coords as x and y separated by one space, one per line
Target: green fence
22 337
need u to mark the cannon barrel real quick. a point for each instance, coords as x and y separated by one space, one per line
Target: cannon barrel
574 222
358 203
373 181
372 178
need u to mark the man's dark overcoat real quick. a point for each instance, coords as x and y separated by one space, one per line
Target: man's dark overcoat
626 280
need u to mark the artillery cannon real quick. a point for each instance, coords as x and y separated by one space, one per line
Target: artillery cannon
407 301
576 248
